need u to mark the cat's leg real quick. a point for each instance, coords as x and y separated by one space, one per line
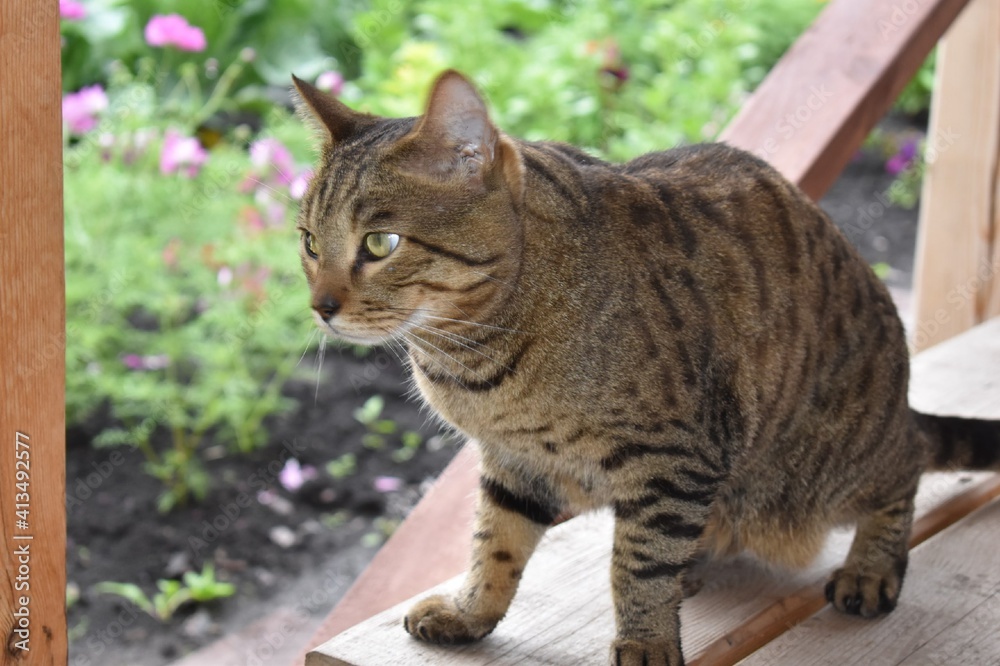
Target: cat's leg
870 580
657 539
510 520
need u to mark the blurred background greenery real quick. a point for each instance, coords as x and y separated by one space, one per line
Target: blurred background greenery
186 308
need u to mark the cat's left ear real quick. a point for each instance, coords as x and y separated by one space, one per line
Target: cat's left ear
326 113
455 138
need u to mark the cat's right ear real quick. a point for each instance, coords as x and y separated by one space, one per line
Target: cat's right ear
326 113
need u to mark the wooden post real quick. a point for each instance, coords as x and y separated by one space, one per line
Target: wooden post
957 281
32 338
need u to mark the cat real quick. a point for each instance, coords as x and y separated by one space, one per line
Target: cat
686 338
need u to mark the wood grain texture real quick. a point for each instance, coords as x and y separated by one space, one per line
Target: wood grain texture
957 277
563 615
952 587
816 106
32 333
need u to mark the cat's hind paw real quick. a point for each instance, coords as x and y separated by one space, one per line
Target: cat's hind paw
630 652
438 619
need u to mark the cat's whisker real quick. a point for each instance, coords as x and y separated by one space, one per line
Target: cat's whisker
461 344
433 346
458 337
272 189
497 280
426 313
319 366
312 336
430 357
473 323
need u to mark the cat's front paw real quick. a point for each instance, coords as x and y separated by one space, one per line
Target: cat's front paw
630 652
438 619
867 593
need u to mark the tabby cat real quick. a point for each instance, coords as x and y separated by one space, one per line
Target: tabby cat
686 338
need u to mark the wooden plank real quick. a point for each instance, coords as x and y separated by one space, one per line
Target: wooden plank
817 105
32 336
430 546
952 586
563 613
957 278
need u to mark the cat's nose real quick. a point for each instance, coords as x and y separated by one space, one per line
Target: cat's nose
327 306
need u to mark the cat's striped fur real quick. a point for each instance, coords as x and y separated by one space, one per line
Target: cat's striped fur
686 338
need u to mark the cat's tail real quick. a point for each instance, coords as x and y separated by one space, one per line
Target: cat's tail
960 443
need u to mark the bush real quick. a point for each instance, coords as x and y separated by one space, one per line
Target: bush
185 300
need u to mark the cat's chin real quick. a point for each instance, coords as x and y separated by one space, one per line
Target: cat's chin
355 339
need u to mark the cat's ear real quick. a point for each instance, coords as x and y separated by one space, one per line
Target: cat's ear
326 113
455 136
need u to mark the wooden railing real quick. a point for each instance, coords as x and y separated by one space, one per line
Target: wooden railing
32 336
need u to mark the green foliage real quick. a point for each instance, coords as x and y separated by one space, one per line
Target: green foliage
411 444
555 70
291 35
172 594
342 467
378 428
184 313
916 96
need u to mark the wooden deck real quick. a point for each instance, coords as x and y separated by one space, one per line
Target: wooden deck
948 613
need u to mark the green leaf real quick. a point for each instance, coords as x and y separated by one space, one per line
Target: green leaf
130 592
370 410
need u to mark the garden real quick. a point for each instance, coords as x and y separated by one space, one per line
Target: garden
221 453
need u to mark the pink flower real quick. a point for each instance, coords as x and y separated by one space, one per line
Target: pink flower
272 158
152 362
293 475
298 186
174 30
80 109
387 484
71 10
903 159
331 81
181 153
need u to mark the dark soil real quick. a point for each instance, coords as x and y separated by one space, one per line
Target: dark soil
260 536
303 548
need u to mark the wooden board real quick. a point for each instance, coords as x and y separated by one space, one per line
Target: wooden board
952 592
817 105
32 334
957 276
563 614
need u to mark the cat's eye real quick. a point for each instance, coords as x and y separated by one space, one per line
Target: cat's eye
379 245
309 241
